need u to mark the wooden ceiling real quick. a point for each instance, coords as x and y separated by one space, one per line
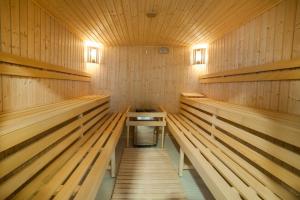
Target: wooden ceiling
178 22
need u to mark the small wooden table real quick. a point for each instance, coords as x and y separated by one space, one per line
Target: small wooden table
160 121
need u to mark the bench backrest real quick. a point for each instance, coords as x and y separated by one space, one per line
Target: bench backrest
40 140
266 144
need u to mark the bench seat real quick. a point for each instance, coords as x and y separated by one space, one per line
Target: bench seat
240 153
58 151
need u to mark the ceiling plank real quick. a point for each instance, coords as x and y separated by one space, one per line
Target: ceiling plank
178 23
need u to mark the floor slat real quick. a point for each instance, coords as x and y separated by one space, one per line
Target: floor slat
147 174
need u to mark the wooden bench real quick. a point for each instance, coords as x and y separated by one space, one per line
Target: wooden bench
240 153
58 151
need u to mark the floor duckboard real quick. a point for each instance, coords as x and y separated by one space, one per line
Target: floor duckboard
147 174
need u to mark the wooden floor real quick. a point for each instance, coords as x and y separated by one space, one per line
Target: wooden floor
147 174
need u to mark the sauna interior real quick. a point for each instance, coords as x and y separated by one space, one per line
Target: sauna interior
150 99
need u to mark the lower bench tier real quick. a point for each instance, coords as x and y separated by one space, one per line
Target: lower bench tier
240 153
58 151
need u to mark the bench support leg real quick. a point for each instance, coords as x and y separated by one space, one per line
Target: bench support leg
113 164
162 137
127 144
181 162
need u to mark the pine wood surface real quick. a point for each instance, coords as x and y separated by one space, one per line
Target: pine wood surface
147 174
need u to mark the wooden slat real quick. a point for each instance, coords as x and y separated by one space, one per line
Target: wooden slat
255 120
192 95
10 163
74 180
146 123
93 180
50 188
242 173
18 60
281 65
34 157
217 185
7 69
9 186
12 137
146 114
147 178
220 125
6 116
245 191
293 74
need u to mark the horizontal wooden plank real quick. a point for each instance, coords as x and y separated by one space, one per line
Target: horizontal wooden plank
192 95
18 60
4 116
70 185
8 69
147 190
235 75
293 74
149 196
13 161
146 123
146 114
238 132
9 186
275 150
214 181
153 178
225 171
255 119
239 171
56 166
14 136
90 186
154 186
74 167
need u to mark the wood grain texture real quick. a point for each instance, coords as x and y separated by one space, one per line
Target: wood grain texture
147 174
24 160
124 22
31 32
19 60
232 138
141 77
270 37
281 70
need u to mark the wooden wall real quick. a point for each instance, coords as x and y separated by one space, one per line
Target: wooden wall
273 36
29 31
141 77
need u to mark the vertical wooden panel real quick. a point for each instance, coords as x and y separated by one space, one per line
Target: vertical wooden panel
142 77
5 26
294 103
1 95
15 26
270 37
29 31
24 28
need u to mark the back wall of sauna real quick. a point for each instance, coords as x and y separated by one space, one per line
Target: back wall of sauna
142 77
29 31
